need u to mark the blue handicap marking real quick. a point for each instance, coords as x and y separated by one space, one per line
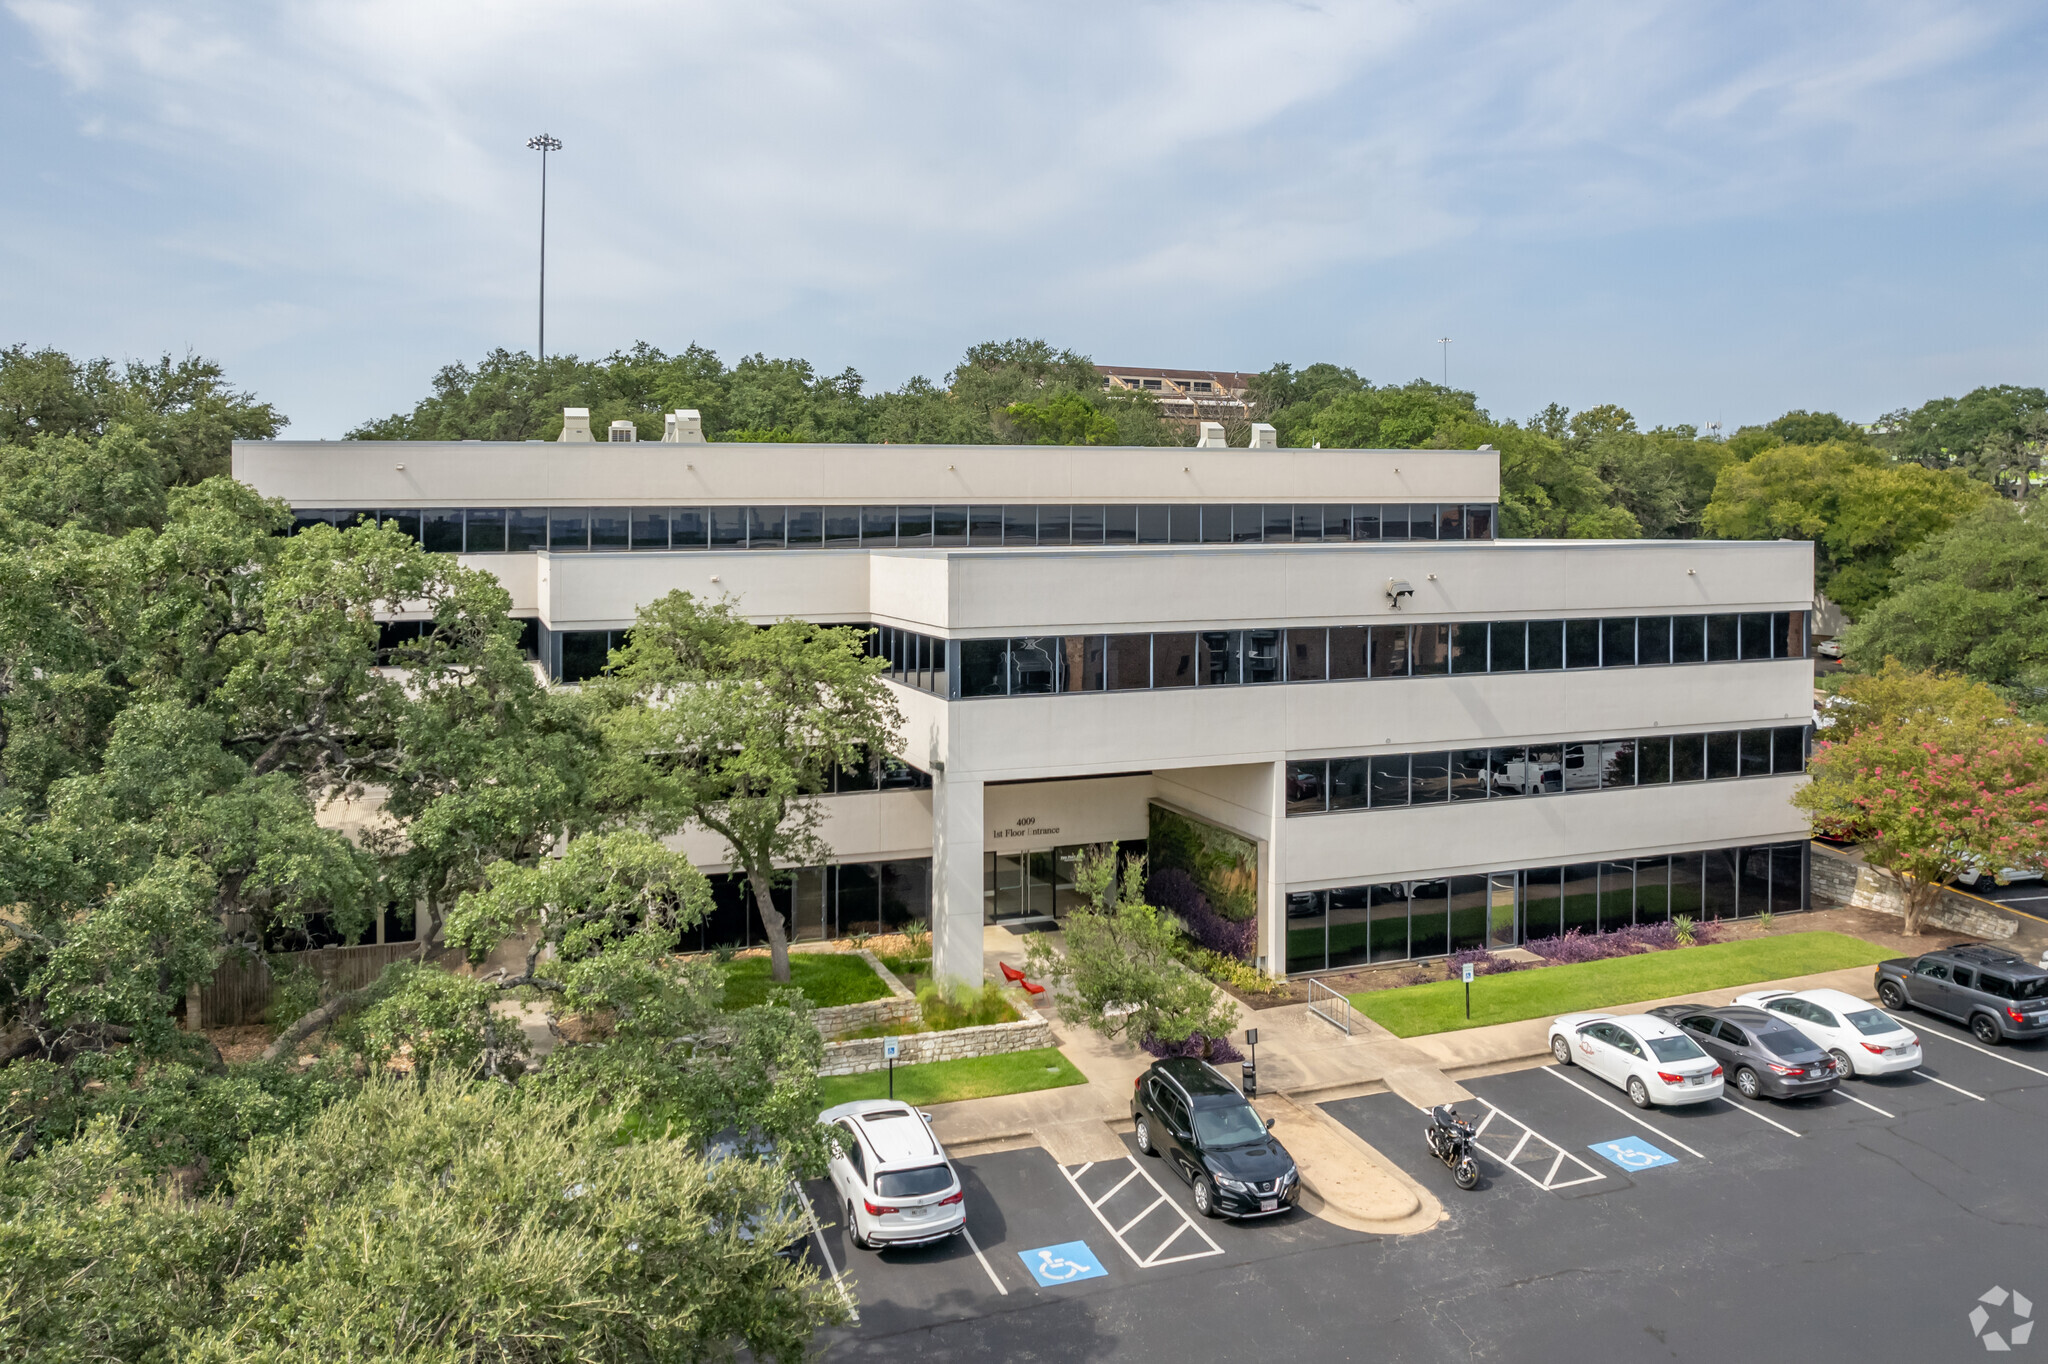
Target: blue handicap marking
1633 1153
1055 1265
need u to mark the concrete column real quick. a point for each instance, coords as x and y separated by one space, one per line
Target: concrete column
956 879
1272 937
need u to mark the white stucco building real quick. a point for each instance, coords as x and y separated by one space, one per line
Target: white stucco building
1389 733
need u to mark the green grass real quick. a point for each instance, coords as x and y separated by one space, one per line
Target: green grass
826 978
1542 992
943 1082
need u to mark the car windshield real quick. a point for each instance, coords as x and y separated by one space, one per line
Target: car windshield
1784 1042
925 1179
1228 1125
1675 1049
1872 1023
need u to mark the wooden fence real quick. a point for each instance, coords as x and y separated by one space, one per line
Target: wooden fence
240 989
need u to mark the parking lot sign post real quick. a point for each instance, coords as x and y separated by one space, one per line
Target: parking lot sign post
1468 989
1251 1067
889 1055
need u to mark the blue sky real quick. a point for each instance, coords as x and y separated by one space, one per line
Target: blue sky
1698 211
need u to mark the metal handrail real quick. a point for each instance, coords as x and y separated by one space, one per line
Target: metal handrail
1340 1017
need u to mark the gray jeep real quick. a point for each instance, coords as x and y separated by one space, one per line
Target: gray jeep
2000 995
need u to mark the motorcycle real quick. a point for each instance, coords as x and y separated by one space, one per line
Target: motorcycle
1450 1141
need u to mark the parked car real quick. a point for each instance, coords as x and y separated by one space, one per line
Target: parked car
892 1175
1763 1053
1185 1110
2005 876
732 1144
1998 994
1863 1040
1648 1058
1829 648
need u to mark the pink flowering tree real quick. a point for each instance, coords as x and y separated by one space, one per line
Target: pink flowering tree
1937 793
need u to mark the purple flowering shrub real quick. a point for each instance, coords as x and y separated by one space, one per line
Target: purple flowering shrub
1215 1050
1176 892
1483 963
1574 946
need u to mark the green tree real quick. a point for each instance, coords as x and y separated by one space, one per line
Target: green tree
1065 419
1120 971
1290 399
1391 418
735 728
1936 789
1861 510
1797 427
1974 600
1995 431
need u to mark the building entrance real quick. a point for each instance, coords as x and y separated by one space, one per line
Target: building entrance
1029 885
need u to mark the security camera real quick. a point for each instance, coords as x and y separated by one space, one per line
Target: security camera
1396 589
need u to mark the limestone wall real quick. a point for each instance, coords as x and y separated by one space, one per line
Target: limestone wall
864 1054
1839 880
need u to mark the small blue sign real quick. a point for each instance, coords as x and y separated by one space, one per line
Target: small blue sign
1633 1153
1055 1265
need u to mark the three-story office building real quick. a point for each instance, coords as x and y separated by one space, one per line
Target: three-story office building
1381 730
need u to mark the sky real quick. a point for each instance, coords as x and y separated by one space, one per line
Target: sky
1702 212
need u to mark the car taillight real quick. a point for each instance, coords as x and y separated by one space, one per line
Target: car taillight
2014 1014
1139 1082
1668 1078
1786 1070
1717 1072
875 1209
1874 1050
950 1199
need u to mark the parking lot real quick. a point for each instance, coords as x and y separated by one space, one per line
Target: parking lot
1864 1224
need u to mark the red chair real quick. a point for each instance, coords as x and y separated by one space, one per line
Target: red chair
1034 989
1010 973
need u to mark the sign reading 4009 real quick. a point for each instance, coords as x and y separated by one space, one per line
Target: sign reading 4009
1027 827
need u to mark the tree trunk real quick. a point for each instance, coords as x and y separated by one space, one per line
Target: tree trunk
771 924
1920 897
314 1021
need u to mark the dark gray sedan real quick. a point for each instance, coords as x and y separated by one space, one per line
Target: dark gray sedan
1763 1054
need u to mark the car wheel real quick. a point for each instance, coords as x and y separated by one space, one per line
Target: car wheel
1746 1081
1145 1146
1843 1065
1205 1197
1890 995
1638 1092
859 1241
1986 1030
1562 1050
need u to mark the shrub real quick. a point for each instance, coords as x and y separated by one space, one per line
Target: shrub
1483 963
964 1006
1217 1050
1575 946
1175 891
1230 971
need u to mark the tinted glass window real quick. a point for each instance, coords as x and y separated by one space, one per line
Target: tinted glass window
1221 658
1429 649
1582 644
1130 662
1349 780
949 526
765 527
984 664
1479 521
1350 651
1721 760
650 528
1688 639
1545 771
1306 789
407 520
485 533
1337 521
1262 655
1872 1023
1468 647
1722 633
1034 665
1153 525
1675 1049
1307 652
1995 985
1756 634
806 526
1390 780
1215 526
1617 762
1055 527
913 527
878 526
568 529
1020 525
1653 760
1618 642
928 1179
1756 752
985 526
1688 757
1184 524
1119 525
1963 976
1788 749
1509 646
1308 522
611 528
1450 522
728 527
1546 645
1279 525
1389 650
1653 639
1083 667
1429 778
1173 660
842 527
1468 774
1087 525
1365 523
1230 1125
1393 521
1508 770
688 528
1247 524
1422 521
441 531
526 528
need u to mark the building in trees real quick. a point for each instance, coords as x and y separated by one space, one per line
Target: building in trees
1186 397
1314 680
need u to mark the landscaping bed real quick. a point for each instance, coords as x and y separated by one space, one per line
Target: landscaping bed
1542 992
943 1082
827 979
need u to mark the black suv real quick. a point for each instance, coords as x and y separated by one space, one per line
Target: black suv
1185 1110
1999 994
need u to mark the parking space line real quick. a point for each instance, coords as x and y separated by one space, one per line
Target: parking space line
1113 1192
1739 1108
1553 1070
1549 1182
1872 1107
1157 1258
1982 1051
1141 1216
1918 1074
986 1266
818 1235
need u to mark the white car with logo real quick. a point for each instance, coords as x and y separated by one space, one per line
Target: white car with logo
893 1179
1863 1039
1647 1058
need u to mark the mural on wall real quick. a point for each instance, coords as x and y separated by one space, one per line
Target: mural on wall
1208 876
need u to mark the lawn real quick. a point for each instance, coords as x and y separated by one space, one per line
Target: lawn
826 978
975 1077
1543 992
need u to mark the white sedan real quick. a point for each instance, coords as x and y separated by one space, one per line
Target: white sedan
1647 1058
1863 1039
892 1176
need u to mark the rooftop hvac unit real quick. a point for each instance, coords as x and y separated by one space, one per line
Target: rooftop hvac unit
622 430
1212 437
575 424
684 426
1264 437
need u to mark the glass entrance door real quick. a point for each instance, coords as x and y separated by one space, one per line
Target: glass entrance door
1022 885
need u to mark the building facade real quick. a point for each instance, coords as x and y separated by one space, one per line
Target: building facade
1316 679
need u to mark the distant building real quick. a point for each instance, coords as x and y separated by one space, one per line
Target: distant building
1188 395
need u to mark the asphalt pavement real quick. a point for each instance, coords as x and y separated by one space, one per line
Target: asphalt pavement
1865 1225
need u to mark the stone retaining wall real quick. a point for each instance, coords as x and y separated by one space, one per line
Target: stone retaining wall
864 1054
1839 880
901 1007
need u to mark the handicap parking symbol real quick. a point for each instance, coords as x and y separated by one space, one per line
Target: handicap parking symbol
1633 1153
1055 1265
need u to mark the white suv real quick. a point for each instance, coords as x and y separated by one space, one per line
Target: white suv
892 1175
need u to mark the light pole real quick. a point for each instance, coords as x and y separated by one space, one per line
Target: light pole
1445 342
543 144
